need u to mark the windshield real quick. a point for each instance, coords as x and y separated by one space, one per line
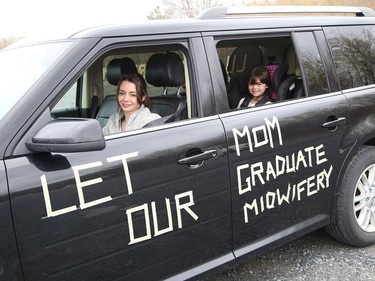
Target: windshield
22 67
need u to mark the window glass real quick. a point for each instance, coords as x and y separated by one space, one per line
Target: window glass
163 68
68 100
240 59
353 50
311 61
34 61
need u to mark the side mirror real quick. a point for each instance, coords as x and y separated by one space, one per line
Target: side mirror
68 135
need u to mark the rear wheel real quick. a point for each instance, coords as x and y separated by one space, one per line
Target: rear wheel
354 221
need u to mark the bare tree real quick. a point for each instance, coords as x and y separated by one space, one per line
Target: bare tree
4 42
190 8
156 14
187 8
363 3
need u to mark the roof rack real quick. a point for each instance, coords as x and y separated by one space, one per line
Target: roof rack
243 11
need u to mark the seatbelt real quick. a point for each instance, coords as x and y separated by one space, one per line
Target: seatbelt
94 106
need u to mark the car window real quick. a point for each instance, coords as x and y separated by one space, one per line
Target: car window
238 58
69 100
353 53
34 61
312 64
164 69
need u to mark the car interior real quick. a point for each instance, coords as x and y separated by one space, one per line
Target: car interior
94 94
239 57
167 76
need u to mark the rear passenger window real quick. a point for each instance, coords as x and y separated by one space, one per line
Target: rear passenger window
238 59
312 65
353 53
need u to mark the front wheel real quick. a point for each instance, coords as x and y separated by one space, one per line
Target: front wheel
354 217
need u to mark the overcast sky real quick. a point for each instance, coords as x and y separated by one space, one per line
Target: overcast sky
36 17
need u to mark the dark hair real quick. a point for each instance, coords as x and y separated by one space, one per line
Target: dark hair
262 73
140 86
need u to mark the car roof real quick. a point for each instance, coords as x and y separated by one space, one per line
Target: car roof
211 25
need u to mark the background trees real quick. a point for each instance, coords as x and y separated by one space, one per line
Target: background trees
7 41
169 9
190 8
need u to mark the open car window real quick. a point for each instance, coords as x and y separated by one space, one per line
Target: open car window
165 71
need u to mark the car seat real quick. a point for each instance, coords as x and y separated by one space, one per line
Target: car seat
166 70
239 88
109 107
287 88
118 67
241 62
278 72
292 86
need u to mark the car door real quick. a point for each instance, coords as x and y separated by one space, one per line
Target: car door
10 268
285 157
154 203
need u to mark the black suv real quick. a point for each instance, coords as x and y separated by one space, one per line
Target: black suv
207 185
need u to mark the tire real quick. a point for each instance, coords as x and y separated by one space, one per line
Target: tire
354 217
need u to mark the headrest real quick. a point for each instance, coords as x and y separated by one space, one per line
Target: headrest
165 70
242 56
291 59
278 72
118 67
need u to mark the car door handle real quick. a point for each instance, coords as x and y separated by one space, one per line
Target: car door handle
334 123
198 158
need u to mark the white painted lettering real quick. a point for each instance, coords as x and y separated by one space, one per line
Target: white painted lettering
81 184
309 150
185 206
270 199
280 165
252 206
239 180
157 231
270 171
257 142
300 159
290 164
124 158
320 154
147 223
300 189
310 185
273 125
237 134
283 197
294 192
142 208
47 201
256 171
265 137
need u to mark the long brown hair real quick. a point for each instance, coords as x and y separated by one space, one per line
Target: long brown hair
140 86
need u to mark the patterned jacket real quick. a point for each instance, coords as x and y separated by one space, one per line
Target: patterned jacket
136 121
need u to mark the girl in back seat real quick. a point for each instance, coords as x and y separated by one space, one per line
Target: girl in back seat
260 89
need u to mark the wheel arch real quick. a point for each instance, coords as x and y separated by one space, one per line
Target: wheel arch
369 141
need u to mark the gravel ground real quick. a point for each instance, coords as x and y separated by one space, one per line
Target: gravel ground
315 256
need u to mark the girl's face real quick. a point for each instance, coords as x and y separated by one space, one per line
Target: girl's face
127 97
258 88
